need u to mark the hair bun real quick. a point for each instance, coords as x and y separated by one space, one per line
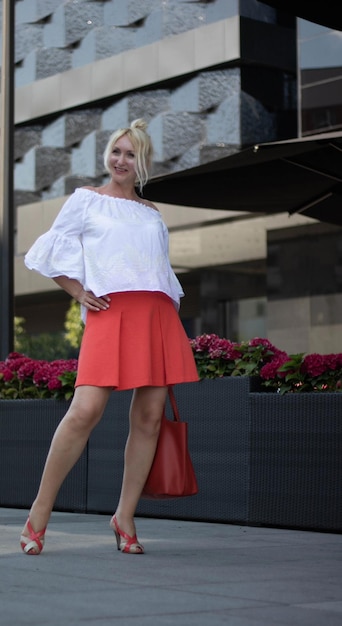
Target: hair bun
139 123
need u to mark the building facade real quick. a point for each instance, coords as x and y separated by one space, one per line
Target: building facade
211 78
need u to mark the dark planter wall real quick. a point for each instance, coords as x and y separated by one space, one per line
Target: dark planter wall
211 408
296 461
106 454
26 429
260 458
217 416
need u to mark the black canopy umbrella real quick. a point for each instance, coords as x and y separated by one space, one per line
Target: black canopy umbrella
294 176
327 13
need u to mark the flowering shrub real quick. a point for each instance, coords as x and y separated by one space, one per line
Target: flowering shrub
300 373
23 377
220 357
216 357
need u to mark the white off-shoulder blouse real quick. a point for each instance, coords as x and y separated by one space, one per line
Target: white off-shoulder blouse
107 244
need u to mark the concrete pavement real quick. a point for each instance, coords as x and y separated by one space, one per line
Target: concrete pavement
193 573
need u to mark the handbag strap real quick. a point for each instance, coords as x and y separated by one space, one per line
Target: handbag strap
173 403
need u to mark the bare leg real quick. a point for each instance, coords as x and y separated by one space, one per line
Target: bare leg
67 445
145 417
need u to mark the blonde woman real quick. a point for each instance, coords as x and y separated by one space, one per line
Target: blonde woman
108 249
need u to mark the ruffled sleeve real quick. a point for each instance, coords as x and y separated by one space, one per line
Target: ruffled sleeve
59 251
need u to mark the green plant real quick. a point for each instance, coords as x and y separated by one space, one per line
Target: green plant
73 325
48 346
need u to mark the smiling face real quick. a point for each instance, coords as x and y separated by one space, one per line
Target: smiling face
122 161
134 142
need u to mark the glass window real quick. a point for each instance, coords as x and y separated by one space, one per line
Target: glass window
244 319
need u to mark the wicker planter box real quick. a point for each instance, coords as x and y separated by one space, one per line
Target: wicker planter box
217 412
296 461
106 454
26 429
260 458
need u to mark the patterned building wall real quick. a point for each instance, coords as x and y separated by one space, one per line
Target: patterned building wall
194 120
54 35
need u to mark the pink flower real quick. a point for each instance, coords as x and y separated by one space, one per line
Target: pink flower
216 347
314 364
202 343
27 369
232 353
270 370
215 353
62 365
222 348
42 374
6 372
257 341
16 363
54 383
333 361
15 355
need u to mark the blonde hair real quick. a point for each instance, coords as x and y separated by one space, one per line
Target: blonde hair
142 145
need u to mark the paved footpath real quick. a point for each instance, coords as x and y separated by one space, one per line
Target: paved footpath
193 574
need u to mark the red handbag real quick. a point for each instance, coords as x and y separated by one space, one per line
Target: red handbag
172 474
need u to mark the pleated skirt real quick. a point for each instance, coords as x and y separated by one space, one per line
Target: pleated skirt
139 341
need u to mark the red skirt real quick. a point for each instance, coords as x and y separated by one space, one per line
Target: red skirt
139 341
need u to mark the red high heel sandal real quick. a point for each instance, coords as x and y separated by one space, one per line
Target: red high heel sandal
32 545
125 543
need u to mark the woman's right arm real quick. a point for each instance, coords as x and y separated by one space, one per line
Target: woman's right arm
74 288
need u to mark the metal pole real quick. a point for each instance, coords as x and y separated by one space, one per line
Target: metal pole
6 181
299 79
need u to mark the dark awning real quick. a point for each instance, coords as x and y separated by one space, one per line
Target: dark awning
327 13
299 175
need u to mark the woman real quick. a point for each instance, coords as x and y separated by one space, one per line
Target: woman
108 249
